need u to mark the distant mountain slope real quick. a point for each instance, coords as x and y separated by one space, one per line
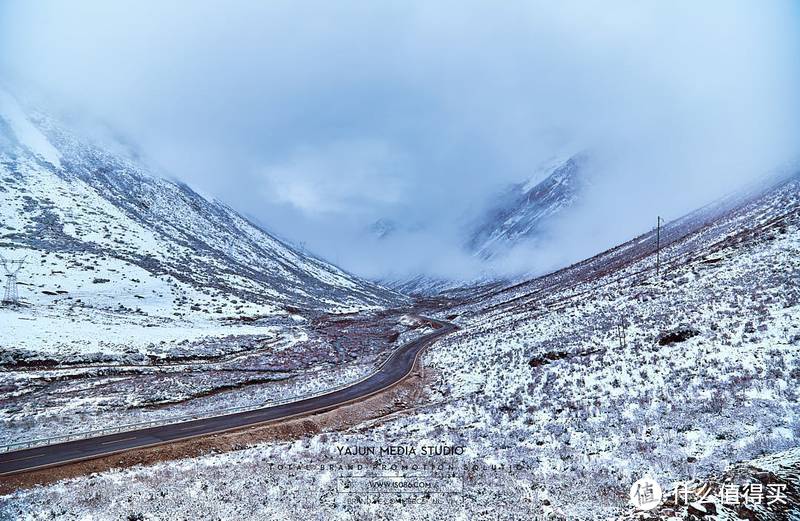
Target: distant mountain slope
92 211
525 208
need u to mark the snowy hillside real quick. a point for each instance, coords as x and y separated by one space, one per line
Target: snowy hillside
594 375
604 371
524 209
100 230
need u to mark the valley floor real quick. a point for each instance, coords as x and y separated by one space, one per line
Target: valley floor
102 371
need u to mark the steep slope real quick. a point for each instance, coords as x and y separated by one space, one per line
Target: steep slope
524 209
102 227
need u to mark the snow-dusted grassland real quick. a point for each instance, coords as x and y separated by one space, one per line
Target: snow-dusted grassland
705 377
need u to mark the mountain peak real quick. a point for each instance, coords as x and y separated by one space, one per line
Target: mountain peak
524 209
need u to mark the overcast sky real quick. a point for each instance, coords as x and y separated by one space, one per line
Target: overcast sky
318 118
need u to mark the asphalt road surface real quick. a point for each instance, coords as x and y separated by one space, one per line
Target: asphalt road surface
396 368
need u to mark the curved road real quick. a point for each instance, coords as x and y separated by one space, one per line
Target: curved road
394 369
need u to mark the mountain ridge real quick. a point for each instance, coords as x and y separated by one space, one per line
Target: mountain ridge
59 190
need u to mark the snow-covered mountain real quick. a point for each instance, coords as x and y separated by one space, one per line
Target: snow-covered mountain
523 210
596 374
97 226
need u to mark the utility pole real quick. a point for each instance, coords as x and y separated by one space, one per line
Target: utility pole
658 245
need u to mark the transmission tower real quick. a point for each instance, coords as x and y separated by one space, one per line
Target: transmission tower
11 267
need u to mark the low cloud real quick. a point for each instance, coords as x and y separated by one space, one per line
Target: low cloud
352 177
318 118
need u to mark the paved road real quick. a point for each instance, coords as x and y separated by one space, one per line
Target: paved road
396 367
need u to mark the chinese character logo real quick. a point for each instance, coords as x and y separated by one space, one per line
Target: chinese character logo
645 494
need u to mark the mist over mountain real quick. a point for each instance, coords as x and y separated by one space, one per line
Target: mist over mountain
110 230
320 120
522 212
